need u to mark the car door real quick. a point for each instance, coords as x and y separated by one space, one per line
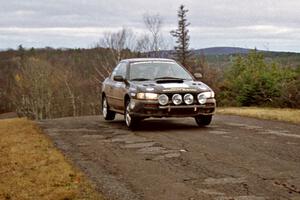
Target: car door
119 88
109 85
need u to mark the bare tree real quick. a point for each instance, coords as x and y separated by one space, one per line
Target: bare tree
118 42
66 78
143 44
35 88
153 24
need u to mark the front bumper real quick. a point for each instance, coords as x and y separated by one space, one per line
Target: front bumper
145 108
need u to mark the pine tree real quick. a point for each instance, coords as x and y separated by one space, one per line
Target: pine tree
182 52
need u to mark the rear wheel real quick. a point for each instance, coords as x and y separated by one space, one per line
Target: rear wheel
203 120
107 114
131 122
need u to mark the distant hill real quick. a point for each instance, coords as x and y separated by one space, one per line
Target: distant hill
222 56
211 51
221 51
224 51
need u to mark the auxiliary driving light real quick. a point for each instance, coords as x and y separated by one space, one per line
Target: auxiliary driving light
177 99
163 99
188 99
202 98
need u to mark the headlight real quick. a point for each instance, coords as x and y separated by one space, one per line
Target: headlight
205 95
177 99
147 96
188 99
163 99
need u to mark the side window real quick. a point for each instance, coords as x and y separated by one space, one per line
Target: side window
115 70
120 70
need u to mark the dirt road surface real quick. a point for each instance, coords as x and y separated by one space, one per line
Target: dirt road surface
236 158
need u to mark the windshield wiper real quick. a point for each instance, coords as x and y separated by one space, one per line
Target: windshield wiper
168 77
140 79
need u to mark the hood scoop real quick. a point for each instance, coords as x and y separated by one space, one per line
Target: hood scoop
169 81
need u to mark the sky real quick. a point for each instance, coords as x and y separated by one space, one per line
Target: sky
262 24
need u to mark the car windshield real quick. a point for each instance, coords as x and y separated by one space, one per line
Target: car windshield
154 70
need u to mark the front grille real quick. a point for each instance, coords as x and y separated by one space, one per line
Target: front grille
177 111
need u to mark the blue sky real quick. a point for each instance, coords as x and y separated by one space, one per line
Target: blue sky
265 24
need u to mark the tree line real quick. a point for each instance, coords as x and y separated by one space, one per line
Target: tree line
49 83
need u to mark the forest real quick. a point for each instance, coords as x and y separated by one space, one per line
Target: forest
51 83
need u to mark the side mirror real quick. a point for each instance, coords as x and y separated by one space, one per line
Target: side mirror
119 78
198 75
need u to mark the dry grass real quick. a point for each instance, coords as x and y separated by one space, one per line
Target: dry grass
288 115
31 168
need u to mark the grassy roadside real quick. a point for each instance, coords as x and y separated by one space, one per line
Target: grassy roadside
31 167
287 115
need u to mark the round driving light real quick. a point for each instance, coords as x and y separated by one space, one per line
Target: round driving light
163 99
177 99
202 98
188 99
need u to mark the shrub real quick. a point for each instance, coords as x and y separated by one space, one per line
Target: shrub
251 81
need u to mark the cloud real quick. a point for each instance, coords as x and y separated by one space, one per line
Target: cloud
247 32
57 36
218 22
58 31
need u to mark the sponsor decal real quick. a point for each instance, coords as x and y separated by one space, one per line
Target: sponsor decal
180 90
181 87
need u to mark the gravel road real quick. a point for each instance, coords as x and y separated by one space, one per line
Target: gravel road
236 158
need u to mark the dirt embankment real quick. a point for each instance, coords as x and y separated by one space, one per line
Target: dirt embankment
8 115
32 169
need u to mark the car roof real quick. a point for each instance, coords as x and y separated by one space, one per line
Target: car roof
131 60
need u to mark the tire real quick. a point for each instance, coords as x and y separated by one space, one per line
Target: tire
131 122
107 114
203 120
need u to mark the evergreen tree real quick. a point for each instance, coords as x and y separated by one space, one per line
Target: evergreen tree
251 81
182 52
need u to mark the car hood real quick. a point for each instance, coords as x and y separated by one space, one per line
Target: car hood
169 86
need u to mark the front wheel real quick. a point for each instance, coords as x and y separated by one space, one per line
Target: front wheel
203 120
131 122
107 114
